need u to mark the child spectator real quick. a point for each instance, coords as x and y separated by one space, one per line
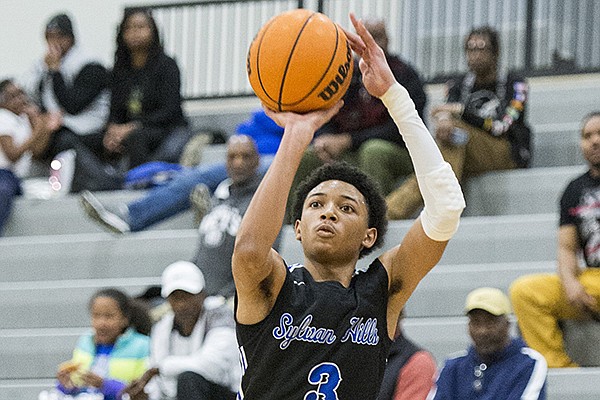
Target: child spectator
113 354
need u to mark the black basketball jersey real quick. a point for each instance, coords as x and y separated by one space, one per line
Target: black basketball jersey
321 341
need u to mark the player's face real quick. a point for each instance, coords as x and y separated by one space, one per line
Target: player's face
490 333
334 223
590 142
108 320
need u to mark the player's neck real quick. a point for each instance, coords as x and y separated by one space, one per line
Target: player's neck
341 273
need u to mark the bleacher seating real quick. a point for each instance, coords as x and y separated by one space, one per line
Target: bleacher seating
53 259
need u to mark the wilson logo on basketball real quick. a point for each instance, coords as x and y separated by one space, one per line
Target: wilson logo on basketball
343 71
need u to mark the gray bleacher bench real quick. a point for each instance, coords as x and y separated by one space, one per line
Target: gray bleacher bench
582 341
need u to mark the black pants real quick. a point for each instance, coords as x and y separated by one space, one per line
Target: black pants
155 144
92 172
192 386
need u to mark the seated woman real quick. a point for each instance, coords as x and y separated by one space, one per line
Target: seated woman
114 353
146 121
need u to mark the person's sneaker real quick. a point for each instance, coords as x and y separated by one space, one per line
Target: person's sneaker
108 219
200 201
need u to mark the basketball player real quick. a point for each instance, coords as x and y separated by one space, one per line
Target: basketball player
321 330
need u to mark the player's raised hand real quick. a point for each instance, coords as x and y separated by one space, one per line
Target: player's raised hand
303 126
376 73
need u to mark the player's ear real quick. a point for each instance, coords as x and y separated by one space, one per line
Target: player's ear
370 238
297 230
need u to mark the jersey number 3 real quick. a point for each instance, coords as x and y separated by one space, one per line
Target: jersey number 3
327 378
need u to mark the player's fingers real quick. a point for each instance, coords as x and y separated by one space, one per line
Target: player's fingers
273 115
330 112
362 31
356 42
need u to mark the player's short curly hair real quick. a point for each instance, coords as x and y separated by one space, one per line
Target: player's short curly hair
345 172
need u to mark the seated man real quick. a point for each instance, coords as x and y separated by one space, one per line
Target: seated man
481 127
363 132
495 366
218 228
193 348
542 300
166 201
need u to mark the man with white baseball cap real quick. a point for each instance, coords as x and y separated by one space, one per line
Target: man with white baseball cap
194 350
495 366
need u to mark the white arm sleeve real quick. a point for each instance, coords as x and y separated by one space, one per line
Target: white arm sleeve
439 187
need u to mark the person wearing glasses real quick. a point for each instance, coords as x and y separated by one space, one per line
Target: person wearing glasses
495 366
481 127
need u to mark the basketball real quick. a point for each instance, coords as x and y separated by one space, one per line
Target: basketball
300 61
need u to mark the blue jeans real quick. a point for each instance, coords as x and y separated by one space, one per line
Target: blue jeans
10 187
166 201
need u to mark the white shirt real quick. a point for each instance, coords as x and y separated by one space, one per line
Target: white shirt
211 350
19 128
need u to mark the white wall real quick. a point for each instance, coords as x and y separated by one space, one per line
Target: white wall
22 25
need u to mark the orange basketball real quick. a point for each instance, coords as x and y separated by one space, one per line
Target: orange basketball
300 61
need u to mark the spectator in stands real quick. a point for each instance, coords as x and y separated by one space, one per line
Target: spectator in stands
166 201
496 366
482 125
219 226
363 132
542 300
410 370
146 120
194 350
24 133
115 353
70 82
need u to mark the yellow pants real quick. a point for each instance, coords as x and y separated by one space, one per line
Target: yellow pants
539 303
482 153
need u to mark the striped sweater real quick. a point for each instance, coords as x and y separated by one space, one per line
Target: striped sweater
127 361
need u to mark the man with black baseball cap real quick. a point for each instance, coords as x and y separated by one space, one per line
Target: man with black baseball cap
495 366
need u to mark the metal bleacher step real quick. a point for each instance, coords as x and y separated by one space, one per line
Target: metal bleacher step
64 215
44 257
35 353
443 291
556 145
522 191
62 303
24 389
479 240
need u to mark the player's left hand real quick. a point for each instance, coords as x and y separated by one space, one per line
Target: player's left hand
303 126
